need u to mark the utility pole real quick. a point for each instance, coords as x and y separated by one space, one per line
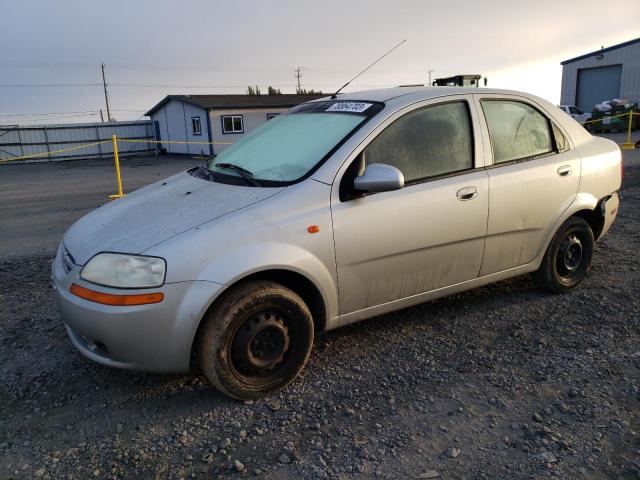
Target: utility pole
101 116
429 72
106 97
298 75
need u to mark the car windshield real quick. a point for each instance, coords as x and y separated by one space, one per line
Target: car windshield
287 148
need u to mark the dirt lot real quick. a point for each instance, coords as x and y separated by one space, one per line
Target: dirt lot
501 382
39 201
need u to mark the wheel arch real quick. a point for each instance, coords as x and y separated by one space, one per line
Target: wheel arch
585 206
295 281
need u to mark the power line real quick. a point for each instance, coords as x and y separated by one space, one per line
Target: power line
149 85
172 68
35 120
48 85
137 110
44 114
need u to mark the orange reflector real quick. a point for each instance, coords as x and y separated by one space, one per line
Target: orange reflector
313 229
116 300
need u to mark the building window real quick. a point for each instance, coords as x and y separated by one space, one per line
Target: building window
271 116
195 126
232 124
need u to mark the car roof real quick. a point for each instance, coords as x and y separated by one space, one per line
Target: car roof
416 93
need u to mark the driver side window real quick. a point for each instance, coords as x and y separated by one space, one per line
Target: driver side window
427 142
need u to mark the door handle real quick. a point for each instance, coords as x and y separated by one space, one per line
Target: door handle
467 193
564 170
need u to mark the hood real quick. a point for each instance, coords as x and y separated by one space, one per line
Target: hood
148 216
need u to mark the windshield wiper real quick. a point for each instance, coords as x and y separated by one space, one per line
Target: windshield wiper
204 172
244 173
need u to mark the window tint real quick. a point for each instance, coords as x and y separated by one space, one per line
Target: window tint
516 129
427 142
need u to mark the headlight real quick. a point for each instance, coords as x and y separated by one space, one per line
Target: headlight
124 271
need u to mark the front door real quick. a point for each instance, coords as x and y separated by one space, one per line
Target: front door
427 235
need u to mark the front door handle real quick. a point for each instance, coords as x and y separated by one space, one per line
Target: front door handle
467 193
564 170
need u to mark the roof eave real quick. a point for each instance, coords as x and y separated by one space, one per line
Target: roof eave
603 50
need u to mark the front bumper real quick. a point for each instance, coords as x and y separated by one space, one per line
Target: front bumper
155 337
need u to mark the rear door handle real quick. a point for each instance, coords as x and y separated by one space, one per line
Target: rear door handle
467 193
564 170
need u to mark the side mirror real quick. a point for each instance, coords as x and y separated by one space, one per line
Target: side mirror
379 177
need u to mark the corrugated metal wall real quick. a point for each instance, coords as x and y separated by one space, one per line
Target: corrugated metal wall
628 57
18 141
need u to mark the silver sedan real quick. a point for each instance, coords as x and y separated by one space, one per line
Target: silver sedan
342 209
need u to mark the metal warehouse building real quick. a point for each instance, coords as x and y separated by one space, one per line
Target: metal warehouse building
215 118
612 72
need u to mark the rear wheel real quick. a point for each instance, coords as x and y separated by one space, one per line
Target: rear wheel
255 340
568 257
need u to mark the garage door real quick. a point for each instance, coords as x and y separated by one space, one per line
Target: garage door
595 85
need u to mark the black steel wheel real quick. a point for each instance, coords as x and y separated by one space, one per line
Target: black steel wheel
568 257
255 340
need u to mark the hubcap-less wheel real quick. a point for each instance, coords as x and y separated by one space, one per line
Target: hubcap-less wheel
255 339
569 256
260 344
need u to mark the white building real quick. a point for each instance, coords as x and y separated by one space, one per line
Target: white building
608 73
214 118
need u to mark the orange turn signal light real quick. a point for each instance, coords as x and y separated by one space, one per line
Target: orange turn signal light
115 300
313 229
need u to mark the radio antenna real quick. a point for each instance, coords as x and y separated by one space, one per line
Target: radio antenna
370 65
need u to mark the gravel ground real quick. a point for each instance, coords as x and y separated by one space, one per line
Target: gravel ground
39 201
505 381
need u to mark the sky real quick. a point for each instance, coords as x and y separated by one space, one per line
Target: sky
51 51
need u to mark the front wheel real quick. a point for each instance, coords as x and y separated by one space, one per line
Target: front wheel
255 340
568 257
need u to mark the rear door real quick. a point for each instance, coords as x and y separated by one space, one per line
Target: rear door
533 177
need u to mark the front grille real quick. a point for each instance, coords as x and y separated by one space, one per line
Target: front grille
67 261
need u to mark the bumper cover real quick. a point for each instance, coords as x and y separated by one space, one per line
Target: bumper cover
154 338
609 212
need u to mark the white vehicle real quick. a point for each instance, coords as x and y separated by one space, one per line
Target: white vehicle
342 209
575 113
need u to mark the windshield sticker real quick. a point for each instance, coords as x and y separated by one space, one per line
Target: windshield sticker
352 107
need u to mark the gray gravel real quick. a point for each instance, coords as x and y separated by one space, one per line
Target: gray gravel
504 382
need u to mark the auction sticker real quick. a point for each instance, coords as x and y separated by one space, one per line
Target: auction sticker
351 107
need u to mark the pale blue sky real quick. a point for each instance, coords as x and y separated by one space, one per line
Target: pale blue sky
517 44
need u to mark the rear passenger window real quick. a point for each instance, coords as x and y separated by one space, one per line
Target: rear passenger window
517 130
431 141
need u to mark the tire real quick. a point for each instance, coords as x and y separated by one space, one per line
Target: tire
568 257
255 340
